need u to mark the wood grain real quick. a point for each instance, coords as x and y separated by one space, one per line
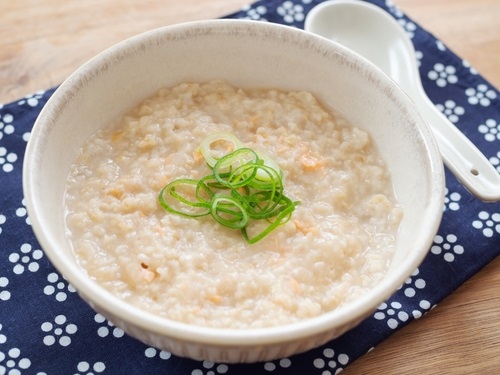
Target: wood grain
43 41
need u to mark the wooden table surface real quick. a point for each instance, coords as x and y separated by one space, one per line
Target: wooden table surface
43 41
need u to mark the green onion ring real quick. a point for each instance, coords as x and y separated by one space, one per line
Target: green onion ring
170 190
236 216
244 186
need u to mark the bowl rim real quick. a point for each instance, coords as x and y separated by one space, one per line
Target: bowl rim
150 322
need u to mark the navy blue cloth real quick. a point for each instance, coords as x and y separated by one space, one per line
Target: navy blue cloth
45 328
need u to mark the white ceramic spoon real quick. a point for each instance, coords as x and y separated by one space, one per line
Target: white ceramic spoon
377 36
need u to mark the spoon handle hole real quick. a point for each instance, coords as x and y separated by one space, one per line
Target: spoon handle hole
474 172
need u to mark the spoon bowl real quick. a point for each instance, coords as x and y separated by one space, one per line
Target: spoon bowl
374 34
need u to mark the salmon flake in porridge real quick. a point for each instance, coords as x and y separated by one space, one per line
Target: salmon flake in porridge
337 244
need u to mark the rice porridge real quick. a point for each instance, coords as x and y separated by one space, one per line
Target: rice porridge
337 244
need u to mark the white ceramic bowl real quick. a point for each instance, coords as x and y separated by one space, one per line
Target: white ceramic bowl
244 53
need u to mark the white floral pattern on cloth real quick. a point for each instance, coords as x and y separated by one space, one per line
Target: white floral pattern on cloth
490 129
3 219
153 352
392 314
46 328
6 126
413 284
107 328
451 110
480 95
331 362
211 368
22 212
58 331
487 223
443 75
495 161
58 287
85 368
4 292
7 159
12 363
25 259
448 247
281 363
452 200
32 100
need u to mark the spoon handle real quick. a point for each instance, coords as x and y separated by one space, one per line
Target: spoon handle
460 155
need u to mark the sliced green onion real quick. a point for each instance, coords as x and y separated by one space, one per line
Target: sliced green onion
232 162
269 163
229 212
244 187
282 218
172 199
266 178
211 154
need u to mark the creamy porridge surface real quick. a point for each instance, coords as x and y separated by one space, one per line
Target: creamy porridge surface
336 246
